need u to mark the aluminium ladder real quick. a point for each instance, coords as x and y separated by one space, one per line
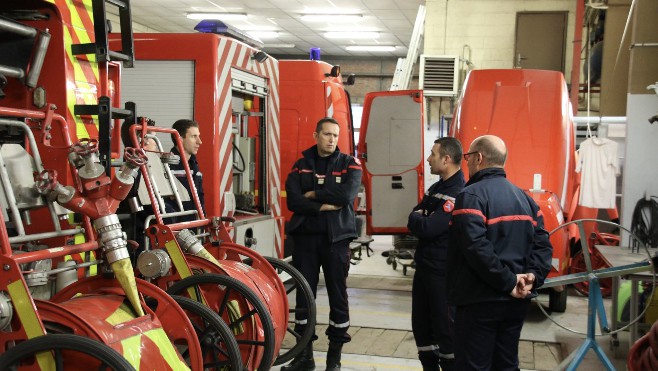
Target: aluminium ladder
404 67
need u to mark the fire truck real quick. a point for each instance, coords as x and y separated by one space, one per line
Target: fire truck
232 90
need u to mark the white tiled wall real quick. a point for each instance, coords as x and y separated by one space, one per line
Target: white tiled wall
487 26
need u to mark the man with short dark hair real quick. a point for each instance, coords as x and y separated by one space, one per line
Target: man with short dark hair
431 317
499 253
321 189
189 133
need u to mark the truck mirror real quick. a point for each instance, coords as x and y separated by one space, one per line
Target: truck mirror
350 79
335 71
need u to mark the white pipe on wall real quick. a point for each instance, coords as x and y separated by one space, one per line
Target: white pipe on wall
599 120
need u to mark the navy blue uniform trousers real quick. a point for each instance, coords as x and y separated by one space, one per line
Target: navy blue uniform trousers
310 253
487 335
431 316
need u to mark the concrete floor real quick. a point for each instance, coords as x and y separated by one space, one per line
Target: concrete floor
380 306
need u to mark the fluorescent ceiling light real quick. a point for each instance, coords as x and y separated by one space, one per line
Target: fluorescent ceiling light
220 16
352 35
263 34
331 17
370 48
279 45
331 10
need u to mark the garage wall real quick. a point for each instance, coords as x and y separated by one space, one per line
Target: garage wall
487 27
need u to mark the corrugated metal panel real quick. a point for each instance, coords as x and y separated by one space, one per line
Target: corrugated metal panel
163 91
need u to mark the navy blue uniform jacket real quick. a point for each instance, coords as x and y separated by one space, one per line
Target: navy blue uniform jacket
431 227
340 186
178 170
496 231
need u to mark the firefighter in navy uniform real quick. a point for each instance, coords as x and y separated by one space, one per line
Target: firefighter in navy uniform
499 253
189 133
321 189
431 317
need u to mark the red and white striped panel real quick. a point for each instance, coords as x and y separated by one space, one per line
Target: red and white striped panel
329 103
235 54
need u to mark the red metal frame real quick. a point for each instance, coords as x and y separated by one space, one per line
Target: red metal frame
202 221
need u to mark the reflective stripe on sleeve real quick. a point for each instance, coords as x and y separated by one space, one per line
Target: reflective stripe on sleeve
441 196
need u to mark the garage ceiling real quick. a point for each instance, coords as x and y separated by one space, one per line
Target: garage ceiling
392 20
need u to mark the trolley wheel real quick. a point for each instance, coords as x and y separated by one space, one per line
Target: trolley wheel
223 288
218 345
69 352
295 284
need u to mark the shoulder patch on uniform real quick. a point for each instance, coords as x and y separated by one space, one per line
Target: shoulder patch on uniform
448 206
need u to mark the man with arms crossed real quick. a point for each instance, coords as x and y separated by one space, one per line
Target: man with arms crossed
431 317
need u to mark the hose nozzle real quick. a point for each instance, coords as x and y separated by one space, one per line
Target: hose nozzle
114 244
191 245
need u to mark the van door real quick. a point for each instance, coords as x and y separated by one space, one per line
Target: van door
391 151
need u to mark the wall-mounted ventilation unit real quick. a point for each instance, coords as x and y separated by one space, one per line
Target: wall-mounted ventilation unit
439 75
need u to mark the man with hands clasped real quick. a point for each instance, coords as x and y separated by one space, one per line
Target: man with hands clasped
499 254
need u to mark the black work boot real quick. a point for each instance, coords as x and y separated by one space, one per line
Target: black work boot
303 361
429 360
333 356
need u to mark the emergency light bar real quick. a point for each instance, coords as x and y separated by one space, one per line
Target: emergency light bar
221 28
